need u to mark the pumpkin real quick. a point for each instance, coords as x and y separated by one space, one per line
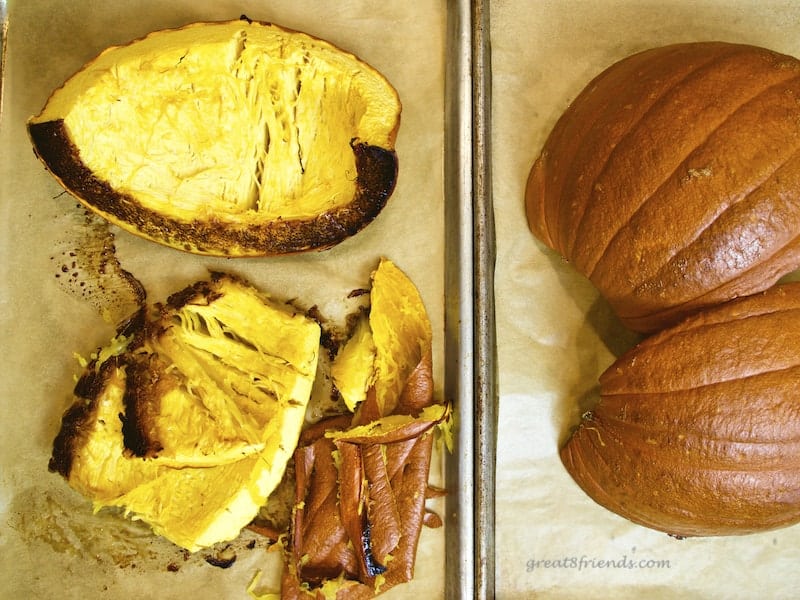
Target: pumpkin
672 181
188 418
697 429
236 138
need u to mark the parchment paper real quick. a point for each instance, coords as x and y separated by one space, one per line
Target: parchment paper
555 336
50 543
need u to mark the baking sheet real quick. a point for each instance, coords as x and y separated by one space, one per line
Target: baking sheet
485 344
50 543
555 336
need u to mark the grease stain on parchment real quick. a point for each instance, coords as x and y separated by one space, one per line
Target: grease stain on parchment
87 267
65 522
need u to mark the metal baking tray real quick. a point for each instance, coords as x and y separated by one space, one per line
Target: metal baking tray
43 43
556 336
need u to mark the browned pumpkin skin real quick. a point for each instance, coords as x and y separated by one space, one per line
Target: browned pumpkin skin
697 430
673 180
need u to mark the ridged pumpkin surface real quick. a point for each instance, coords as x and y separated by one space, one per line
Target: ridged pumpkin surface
697 430
673 180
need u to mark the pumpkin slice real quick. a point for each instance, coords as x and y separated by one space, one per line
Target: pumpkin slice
188 418
353 369
386 345
233 138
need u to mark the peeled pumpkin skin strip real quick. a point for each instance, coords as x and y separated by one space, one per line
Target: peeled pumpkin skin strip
408 459
370 528
316 523
353 495
383 510
408 485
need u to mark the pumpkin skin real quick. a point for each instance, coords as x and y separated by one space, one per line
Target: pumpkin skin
673 180
697 430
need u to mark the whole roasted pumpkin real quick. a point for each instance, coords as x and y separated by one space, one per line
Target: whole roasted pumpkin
673 180
697 429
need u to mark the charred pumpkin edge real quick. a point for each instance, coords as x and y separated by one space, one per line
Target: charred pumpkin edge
79 417
376 177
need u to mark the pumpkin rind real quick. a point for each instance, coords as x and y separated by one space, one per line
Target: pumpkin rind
672 180
697 430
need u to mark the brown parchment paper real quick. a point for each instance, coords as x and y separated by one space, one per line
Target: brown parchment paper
51 546
555 336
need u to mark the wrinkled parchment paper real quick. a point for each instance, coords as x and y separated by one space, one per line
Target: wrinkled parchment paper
555 336
50 543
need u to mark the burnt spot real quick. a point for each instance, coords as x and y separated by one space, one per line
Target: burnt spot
358 292
146 383
73 423
198 293
134 328
94 378
373 567
223 559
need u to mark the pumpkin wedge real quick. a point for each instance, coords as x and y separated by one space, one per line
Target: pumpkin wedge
697 430
673 180
233 138
188 418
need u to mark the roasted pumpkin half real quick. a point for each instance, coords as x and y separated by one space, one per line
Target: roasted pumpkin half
672 181
188 418
697 429
233 138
